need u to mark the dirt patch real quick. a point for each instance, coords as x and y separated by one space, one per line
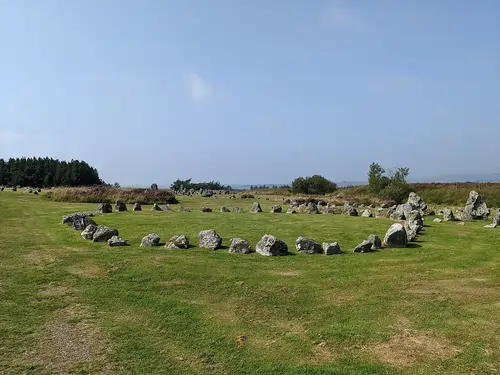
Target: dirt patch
172 282
463 289
90 270
54 290
72 342
38 258
285 273
409 346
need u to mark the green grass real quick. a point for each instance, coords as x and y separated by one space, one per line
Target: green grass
74 306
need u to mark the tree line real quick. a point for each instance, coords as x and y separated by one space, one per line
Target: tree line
47 172
187 184
261 187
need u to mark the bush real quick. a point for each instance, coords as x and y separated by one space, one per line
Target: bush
313 185
103 194
247 195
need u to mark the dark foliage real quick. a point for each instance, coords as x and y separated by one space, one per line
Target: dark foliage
47 172
313 185
187 184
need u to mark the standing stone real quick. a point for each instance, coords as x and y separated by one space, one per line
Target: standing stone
155 207
166 207
363 247
416 201
117 241
276 209
269 245
105 208
224 209
237 209
240 246
448 215
177 242
120 206
307 246
154 187
367 213
137 207
350 211
475 208
396 236
104 233
331 248
291 210
151 239
256 207
88 232
209 239
82 223
375 241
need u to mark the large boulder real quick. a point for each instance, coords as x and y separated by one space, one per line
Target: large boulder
78 220
136 207
104 233
307 246
151 239
363 247
177 242
240 246
375 241
475 208
367 213
256 207
116 241
417 202
120 206
269 245
331 248
448 215
209 239
276 209
396 236
88 232
104 208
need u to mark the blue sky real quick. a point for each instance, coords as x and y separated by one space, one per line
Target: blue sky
252 91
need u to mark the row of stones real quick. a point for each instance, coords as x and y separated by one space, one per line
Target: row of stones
269 245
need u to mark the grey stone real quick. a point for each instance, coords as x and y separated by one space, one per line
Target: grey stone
136 207
237 209
375 241
82 223
380 213
411 231
151 239
155 207
105 208
276 209
104 233
448 215
416 201
88 232
492 225
14 188
307 246
437 220
35 192
367 213
120 206
363 247
166 207
117 241
224 209
396 236
209 239
351 211
240 246
475 208
178 242
78 220
291 210
184 209
206 209
331 248
269 245
256 207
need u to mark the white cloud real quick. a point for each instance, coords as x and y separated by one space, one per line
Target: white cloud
199 89
340 18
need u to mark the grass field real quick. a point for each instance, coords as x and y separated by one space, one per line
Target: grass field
72 306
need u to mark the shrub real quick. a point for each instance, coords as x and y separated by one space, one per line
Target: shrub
247 195
313 185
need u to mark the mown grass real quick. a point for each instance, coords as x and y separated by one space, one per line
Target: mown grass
68 305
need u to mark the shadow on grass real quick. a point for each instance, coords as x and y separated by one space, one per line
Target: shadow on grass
414 245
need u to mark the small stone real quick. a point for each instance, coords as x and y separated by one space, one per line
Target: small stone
256 207
276 209
151 239
331 248
88 232
437 220
307 246
224 209
240 246
206 209
104 208
269 245
363 247
155 207
375 241
120 206
177 242
117 241
136 207
237 209
367 213
104 233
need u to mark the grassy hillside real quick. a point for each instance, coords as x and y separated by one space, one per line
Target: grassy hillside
72 306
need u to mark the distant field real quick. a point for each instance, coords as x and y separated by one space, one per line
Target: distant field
72 306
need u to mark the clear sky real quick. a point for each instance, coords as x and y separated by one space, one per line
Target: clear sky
252 91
